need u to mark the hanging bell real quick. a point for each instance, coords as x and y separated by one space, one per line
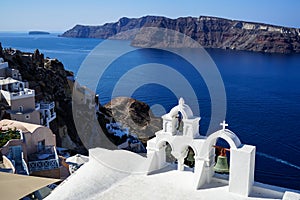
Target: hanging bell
190 160
169 157
221 165
168 149
190 156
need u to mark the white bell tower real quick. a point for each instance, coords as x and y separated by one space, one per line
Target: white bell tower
181 121
181 131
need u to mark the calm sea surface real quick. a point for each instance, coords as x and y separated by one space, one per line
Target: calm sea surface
263 94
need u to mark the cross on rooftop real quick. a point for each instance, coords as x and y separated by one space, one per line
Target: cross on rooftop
224 125
181 101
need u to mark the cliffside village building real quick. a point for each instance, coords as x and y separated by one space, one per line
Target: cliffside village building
33 151
20 100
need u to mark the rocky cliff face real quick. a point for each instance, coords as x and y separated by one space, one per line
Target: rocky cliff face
135 115
210 32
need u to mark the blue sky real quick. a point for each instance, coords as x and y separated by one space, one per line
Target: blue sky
60 15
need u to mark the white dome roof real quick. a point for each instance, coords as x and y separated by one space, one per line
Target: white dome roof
185 110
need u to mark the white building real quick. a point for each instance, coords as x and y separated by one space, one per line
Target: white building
124 175
21 101
5 71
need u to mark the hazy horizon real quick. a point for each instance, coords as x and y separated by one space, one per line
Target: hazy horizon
59 16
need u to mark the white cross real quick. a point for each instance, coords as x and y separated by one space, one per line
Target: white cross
223 125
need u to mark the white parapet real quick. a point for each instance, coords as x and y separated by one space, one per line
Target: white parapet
45 106
17 95
291 196
242 164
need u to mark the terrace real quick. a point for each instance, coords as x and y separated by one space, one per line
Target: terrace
45 158
18 94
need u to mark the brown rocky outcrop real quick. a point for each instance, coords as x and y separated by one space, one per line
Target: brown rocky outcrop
209 32
135 115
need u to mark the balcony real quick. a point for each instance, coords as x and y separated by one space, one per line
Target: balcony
48 113
45 120
45 159
26 91
43 165
18 95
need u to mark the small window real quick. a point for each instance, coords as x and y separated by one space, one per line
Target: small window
21 108
41 145
27 117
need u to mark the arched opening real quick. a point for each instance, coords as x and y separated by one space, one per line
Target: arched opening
169 158
164 156
222 156
189 160
177 123
21 87
229 139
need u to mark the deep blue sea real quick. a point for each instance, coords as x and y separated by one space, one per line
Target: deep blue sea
263 94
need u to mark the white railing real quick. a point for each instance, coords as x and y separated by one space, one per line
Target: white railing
53 116
25 167
37 106
45 106
25 92
21 135
46 121
13 95
43 165
56 155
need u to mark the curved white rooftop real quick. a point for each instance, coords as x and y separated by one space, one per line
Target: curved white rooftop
124 175
97 181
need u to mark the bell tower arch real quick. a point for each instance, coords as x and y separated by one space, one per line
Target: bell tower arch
242 161
181 121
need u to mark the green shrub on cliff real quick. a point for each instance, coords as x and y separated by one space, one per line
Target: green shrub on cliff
6 135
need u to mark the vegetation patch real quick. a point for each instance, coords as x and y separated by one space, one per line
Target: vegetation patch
6 135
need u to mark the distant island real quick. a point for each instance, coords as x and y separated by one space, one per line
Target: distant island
38 33
210 32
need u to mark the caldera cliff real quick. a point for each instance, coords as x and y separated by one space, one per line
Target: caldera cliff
209 32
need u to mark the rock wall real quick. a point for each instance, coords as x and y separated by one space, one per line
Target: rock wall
210 32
